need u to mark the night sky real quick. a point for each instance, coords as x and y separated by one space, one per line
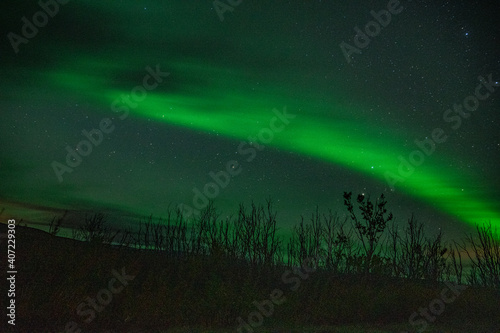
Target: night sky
249 101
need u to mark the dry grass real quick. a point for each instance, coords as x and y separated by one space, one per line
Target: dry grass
399 328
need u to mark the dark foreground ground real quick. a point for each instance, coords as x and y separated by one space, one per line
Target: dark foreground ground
65 285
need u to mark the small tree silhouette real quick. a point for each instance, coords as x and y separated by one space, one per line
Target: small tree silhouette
94 230
55 224
484 255
370 229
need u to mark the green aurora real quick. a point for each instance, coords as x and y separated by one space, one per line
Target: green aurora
225 80
232 113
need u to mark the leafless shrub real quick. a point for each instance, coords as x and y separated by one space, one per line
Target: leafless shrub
55 224
95 230
455 264
484 254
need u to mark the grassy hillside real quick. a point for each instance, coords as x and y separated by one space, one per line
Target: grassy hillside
212 276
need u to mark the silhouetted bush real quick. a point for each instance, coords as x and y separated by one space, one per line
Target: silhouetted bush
208 271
